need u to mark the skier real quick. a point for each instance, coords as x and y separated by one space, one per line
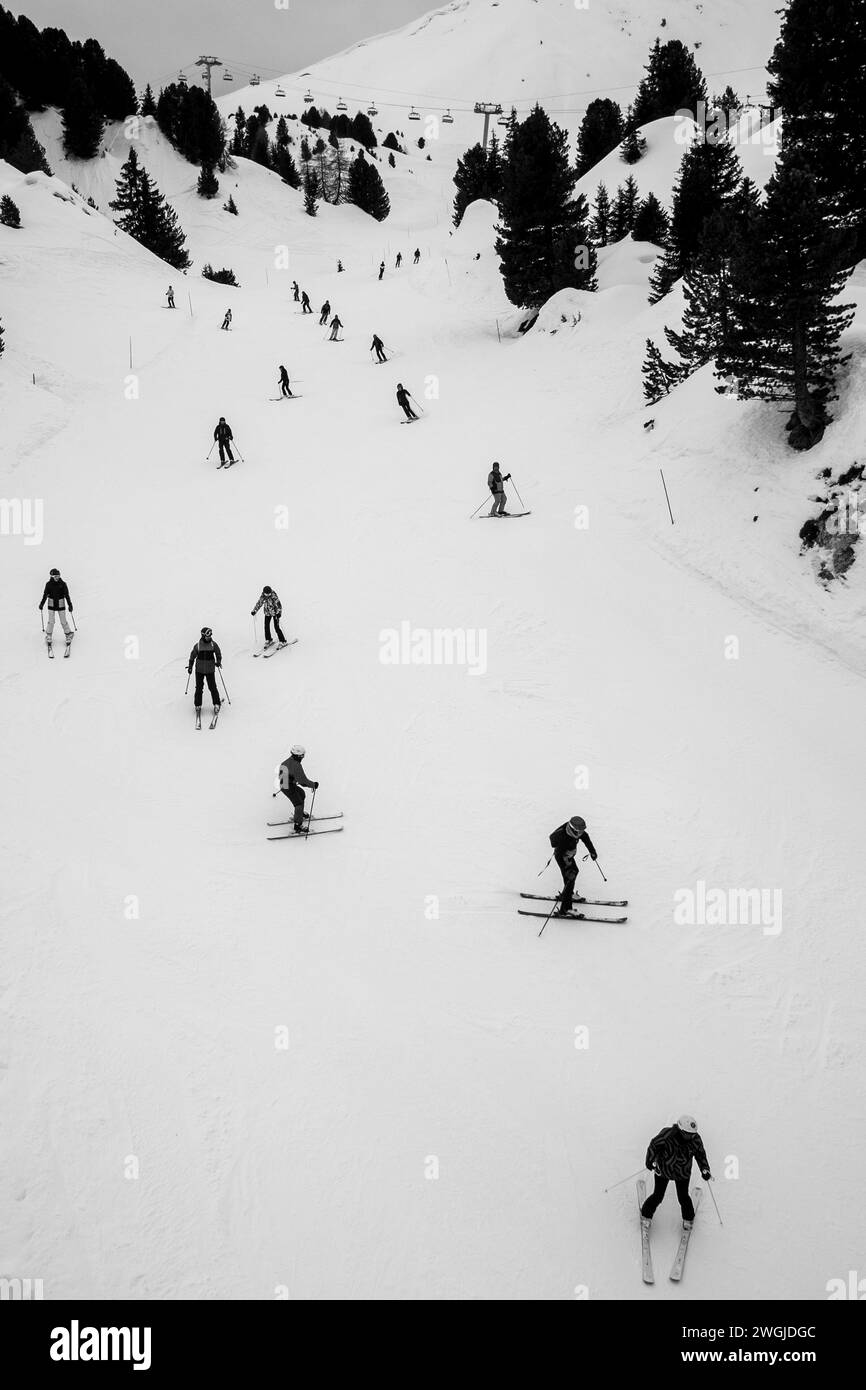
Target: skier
336 325
305 303
403 400
378 347
56 595
323 317
273 608
226 323
208 658
169 294
340 267
285 389
399 261
296 293
416 258
381 269
496 483
565 840
292 778
223 436
670 1156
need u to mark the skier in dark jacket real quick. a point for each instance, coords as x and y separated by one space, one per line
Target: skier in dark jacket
56 595
227 321
496 483
381 269
416 258
208 658
378 347
269 599
670 1156
169 294
292 778
323 317
403 401
399 261
296 293
336 325
285 389
565 840
305 303
223 436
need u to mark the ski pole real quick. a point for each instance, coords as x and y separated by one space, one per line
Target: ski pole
715 1203
74 623
222 678
622 1180
312 809
210 450
541 871
255 632
42 619
600 870
418 403
519 498
475 513
188 679
549 915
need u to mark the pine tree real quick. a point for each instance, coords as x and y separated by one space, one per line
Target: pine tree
239 144
260 147
362 131
281 136
148 103
728 103
600 226
633 147
624 209
659 376
673 83
82 123
9 213
208 183
707 294
18 145
601 130
311 191
286 167
146 216
2 344
543 233
392 163
709 175
783 341
230 206
817 72
651 221
305 150
479 175
366 189
392 143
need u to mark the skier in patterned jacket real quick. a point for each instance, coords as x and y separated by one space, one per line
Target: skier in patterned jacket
56 595
270 601
670 1156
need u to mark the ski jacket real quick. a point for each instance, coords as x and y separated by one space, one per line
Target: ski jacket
57 595
671 1153
376 343
336 322
495 481
566 844
206 656
223 433
326 308
284 376
272 604
403 396
305 298
293 775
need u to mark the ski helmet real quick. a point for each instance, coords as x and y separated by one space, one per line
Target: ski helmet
53 572
576 826
298 750
207 632
267 589
687 1124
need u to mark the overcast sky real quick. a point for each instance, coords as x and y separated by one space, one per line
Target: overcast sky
152 40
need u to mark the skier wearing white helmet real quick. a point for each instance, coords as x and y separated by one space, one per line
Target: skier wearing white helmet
292 778
565 840
670 1156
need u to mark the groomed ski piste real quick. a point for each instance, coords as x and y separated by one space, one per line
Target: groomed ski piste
352 1069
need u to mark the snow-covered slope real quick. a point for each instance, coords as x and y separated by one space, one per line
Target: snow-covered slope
688 688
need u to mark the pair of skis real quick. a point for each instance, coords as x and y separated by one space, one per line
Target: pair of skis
307 829
213 722
66 653
574 916
678 1265
271 648
491 516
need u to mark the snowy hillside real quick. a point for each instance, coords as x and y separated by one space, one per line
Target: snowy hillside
350 1068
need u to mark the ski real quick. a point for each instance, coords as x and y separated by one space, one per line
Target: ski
338 815
216 715
304 834
645 1251
263 649
280 647
198 719
571 917
491 516
295 396
680 1257
591 902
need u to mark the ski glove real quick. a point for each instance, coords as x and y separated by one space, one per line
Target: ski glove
707 1176
315 786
